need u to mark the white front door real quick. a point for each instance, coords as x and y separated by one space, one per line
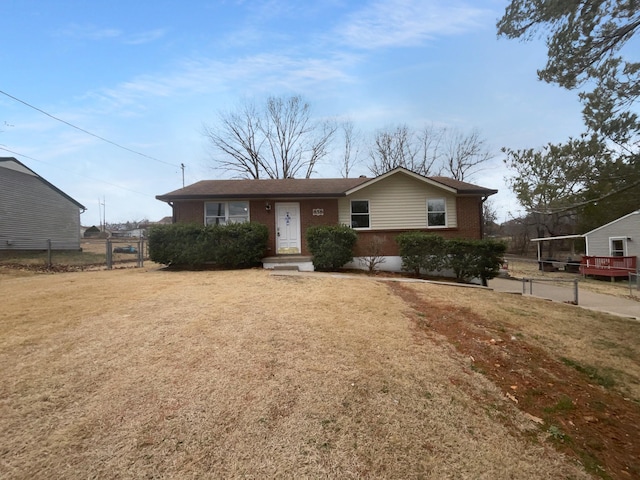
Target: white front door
288 228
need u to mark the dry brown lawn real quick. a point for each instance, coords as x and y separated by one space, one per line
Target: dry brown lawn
151 373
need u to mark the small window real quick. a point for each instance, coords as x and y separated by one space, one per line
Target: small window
436 212
215 213
360 214
221 213
238 212
617 247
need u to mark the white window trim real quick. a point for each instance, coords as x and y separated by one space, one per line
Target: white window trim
624 245
446 217
351 213
226 210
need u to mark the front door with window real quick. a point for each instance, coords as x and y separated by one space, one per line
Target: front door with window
288 228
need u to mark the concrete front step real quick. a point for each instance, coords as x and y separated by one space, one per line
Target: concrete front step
301 263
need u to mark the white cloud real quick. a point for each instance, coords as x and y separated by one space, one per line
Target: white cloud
260 73
407 23
95 33
90 32
145 37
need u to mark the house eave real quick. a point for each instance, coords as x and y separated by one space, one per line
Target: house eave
257 196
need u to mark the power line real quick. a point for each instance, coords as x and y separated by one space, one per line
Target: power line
86 131
77 174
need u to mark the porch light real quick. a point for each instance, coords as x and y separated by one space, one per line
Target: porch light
267 206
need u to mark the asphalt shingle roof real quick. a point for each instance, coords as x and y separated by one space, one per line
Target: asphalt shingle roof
298 188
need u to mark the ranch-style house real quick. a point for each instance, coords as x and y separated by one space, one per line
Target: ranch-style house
382 207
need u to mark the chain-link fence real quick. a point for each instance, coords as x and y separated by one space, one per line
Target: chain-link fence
548 288
94 254
634 284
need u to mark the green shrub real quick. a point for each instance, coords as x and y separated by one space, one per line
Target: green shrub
177 244
421 251
475 258
462 257
467 259
235 245
490 259
239 245
330 245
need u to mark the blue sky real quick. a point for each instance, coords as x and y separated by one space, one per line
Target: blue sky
147 75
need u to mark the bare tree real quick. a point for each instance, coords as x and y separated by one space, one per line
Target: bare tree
351 148
431 139
279 140
431 151
392 149
464 154
238 138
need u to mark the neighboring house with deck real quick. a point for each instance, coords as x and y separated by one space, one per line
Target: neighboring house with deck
34 214
612 250
381 207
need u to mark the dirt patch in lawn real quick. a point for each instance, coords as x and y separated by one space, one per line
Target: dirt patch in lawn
576 405
148 373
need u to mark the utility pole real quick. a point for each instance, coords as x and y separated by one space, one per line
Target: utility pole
104 214
182 167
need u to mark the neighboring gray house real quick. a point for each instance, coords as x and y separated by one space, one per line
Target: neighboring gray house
33 211
620 238
613 249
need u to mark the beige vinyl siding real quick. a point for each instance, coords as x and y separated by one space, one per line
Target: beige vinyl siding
398 202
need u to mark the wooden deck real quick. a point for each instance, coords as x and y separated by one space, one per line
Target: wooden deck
608 266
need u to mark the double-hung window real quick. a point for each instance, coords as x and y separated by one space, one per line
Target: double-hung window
221 213
436 212
617 247
360 214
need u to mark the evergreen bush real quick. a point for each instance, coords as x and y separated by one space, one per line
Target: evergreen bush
468 259
330 245
236 245
421 251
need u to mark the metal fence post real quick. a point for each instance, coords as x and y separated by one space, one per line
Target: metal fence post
109 255
140 252
48 253
575 290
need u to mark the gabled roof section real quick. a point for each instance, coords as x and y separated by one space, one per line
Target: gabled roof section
269 188
12 163
637 212
448 184
308 187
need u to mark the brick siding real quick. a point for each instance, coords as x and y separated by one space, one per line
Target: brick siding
468 213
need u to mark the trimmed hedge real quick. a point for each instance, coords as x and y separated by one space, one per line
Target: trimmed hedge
330 245
236 245
467 259
420 251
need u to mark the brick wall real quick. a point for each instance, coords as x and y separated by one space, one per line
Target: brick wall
260 214
469 217
188 212
329 209
468 212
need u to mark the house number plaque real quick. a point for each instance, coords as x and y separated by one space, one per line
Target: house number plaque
318 212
